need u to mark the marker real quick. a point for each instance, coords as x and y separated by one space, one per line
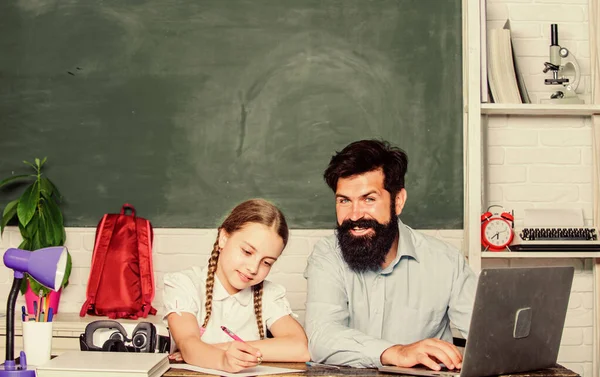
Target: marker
23 313
231 334
313 364
50 315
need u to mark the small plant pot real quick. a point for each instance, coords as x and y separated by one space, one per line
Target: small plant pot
30 297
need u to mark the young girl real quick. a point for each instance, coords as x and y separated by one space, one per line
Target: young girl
232 292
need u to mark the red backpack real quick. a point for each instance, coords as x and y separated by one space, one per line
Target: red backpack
121 282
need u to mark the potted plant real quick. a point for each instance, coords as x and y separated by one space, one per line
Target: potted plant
40 222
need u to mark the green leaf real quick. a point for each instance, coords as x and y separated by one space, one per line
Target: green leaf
46 188
36 287
55 221
23 287
9 213
68 268
30 164
43 161
37 162
23 245
14 178
10 207
57 195
42 232
30 235
28 203
36 243
29 231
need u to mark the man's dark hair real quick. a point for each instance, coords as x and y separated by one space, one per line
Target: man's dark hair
364 156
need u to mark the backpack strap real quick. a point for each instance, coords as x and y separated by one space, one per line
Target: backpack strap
145 237
105 227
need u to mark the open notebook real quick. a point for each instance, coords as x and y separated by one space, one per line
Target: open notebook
105 364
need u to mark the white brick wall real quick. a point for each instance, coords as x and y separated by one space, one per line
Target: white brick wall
545 162
540 174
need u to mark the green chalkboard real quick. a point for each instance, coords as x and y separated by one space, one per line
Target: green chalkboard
185 108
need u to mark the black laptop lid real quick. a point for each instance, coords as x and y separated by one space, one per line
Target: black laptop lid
518 320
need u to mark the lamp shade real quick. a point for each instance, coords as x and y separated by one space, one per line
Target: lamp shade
45 265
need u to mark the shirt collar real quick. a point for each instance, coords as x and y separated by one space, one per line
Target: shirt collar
220 293
406 247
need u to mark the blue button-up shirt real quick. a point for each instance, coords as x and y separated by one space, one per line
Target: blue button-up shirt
352 318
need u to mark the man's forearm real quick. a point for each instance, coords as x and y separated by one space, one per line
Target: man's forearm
340 345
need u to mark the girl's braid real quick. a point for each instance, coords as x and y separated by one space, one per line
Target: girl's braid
258 290
210 280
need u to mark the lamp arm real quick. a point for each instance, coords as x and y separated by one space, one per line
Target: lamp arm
10 318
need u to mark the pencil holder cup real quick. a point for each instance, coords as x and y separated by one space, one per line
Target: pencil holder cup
30 297
37 342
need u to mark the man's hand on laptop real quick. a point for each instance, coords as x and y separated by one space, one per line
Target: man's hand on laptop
429 352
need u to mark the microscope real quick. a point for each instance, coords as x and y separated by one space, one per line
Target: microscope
561 64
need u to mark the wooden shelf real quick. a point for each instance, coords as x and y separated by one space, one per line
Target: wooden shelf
541 254
539 109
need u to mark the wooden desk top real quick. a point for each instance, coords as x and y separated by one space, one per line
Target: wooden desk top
556 371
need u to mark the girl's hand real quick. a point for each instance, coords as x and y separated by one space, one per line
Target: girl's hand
240 355
176 356
222 346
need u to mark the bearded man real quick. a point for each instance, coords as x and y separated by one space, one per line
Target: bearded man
379 292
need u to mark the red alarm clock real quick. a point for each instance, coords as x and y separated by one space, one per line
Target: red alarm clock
496 230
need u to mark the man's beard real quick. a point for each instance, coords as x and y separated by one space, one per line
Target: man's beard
368 252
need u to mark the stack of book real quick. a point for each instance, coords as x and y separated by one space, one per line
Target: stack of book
105 364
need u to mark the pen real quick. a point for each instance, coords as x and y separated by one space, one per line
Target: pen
231 334
50 315
23 313
313 364
40 305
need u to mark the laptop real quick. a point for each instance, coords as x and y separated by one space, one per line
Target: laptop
516 325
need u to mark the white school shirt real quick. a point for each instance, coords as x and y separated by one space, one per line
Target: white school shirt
186 292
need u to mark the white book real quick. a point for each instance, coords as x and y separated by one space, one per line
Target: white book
501 70
483 51
105 364
518 72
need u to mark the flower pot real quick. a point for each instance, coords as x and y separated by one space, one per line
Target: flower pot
30 297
